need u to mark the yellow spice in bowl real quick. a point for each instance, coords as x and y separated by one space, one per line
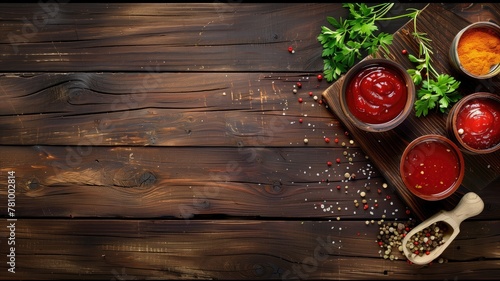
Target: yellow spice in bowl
479 50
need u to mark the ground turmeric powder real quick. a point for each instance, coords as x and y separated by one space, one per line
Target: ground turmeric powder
479 50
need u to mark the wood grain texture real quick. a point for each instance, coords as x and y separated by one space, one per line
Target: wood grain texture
162 141
165 109
170 36
236 249
179 37
386 148
146 182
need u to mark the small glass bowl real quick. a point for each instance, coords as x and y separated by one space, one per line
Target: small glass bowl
389 81
432 167
479 115
455 58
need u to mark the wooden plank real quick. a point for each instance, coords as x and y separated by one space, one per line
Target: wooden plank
482 172
473 12
235 249
173 37
152 182
192 37
165 109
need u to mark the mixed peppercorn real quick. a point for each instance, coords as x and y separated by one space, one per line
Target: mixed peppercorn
426 240
391 235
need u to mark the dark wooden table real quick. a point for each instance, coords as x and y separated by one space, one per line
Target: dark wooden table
164 141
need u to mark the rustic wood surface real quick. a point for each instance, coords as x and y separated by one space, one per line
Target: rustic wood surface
481 172
162 141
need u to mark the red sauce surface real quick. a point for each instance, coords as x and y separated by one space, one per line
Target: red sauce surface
480 121
376 94
431 167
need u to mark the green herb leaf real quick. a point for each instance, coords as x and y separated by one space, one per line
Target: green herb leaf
436 88
353 37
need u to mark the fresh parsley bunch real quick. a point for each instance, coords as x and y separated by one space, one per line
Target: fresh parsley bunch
357 35
352 38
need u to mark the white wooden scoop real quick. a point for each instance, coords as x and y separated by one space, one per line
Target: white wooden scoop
470 205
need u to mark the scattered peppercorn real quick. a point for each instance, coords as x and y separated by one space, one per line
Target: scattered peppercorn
404 52
301 100
290 49
320 77
327 140
299 85
390 238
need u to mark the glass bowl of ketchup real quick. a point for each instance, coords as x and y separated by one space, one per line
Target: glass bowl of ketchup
432 167
474 123
377 94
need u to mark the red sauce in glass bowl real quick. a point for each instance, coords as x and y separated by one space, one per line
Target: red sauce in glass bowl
478 123
432 167
376 94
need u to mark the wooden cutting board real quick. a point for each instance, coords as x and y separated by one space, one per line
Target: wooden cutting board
385 149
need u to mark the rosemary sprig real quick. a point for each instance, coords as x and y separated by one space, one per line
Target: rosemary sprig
437 88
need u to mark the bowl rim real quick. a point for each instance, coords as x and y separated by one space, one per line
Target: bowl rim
450 190
386 126
454 47
452 122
